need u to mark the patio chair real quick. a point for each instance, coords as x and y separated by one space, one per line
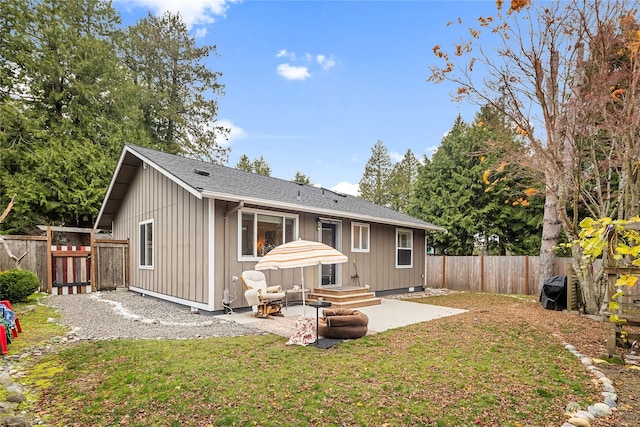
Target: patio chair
265 300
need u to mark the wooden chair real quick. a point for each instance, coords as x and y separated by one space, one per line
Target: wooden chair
265 300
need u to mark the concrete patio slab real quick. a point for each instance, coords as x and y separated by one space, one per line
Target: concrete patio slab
390 314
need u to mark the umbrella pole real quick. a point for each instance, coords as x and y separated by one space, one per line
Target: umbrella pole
304 308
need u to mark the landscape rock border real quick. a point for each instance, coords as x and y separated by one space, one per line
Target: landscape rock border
579 417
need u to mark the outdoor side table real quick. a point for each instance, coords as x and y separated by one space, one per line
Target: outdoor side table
288 292
318 305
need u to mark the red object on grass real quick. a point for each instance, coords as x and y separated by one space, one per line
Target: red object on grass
14 332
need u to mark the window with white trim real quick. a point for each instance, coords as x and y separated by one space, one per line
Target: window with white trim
404 248
261 231
146 244
359 237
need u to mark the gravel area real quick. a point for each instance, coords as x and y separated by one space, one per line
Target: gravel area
129 315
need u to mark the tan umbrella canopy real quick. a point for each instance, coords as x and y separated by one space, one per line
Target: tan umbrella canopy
300 253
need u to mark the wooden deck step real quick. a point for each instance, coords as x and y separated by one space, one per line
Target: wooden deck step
358 303
346 296
340 290
341 298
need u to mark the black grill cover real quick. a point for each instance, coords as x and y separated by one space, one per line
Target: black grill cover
554 293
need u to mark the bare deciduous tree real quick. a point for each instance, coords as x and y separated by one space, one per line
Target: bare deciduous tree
554 72
3 242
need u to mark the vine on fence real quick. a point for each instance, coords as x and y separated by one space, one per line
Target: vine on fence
622 239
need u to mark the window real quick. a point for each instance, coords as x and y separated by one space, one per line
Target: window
404 249
146 244
261 231
359 237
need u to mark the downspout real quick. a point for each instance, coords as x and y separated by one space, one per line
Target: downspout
226 243
424 269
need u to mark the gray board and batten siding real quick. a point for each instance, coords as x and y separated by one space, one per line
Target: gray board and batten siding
181 230
195 208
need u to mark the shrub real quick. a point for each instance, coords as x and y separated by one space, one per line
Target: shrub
17 285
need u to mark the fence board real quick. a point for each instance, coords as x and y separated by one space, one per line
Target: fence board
35 248
111 263
493 274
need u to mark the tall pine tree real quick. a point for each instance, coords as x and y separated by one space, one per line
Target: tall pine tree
374 185
401 181
67 109
177 90
452 190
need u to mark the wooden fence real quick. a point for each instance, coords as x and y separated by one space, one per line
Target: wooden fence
34 249
110 263
493 274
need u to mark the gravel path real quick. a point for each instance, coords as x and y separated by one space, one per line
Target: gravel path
118 314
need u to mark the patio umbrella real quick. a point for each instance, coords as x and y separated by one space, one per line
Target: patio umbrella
300 253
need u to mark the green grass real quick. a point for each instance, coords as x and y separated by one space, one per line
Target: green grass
37 330
465 370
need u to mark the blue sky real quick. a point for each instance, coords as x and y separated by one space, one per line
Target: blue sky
312 85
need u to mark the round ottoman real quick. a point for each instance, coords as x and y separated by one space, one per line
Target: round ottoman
342 323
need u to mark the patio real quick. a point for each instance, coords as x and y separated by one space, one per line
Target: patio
390 314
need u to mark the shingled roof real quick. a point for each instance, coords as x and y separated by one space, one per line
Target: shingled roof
207 180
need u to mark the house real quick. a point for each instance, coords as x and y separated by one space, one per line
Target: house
192 226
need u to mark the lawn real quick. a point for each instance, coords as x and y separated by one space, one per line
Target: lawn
500 364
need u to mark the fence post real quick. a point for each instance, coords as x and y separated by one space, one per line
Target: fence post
481 273
526 274
444 271
93 261
49 264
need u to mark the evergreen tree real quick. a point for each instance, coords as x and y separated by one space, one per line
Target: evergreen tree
452 190
403 176
176 87
374 185
67 109
244 163
301 178
259 165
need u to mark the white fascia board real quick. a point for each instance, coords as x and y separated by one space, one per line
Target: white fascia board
341 214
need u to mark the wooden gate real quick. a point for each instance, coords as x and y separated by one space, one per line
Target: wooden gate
111 264
102 265
70 270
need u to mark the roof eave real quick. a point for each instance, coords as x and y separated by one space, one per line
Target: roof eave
110 188
127 149
343 214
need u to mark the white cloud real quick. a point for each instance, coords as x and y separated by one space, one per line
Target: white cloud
325 62
193 12
396 157
347 188
236 133
430 151
283 53
200 33
292 72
